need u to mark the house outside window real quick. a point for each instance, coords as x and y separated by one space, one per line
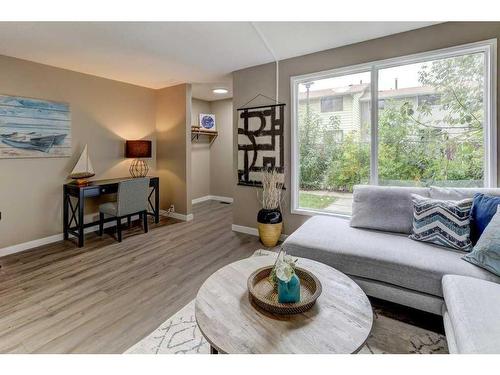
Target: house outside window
332 104
434 124
429 99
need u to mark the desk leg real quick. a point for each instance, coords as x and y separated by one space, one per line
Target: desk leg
81 211
157 203
65 213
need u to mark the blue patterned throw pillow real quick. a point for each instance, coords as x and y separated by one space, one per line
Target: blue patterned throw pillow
486 253
444 223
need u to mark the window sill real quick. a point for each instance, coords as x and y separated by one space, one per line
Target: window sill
312 212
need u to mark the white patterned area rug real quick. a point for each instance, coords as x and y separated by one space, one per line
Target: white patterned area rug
180 335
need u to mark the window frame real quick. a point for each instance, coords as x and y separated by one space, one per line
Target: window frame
488 47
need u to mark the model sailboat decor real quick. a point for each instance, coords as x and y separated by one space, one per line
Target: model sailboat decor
83 168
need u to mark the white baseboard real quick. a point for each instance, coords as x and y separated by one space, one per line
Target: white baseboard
30 244
200 199
221 199
246 230
177 216
54 238
251 231
213 198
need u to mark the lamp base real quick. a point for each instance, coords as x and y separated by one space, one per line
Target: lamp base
138 168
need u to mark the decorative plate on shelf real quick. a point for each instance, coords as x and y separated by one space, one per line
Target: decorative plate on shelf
207 121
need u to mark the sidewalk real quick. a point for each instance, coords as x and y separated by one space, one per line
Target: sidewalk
343 204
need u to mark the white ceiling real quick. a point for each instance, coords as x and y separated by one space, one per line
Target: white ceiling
160 54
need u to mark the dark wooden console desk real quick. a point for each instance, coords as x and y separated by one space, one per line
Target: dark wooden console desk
74 203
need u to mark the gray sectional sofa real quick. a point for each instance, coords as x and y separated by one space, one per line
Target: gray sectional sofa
373 248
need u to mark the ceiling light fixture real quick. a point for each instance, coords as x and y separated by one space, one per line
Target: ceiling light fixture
220 91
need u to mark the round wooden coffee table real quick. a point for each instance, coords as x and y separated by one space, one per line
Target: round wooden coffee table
339 322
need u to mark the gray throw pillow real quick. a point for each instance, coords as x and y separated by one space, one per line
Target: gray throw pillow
456 194
441 222
386 208
486 253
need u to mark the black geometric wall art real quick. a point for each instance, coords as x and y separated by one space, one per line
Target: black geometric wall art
260 142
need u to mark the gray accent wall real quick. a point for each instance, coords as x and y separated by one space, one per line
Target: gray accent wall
261 80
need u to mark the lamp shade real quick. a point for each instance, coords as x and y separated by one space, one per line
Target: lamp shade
138 149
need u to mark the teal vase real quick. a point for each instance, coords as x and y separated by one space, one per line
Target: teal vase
289 292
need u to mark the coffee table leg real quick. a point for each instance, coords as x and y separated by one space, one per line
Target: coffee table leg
213 350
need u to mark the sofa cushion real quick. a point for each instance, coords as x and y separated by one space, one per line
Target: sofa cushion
486 253
448 329
473 308
483 210
383 256
441 222
456 194
386 208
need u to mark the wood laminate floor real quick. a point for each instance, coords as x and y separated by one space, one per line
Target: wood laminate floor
106 296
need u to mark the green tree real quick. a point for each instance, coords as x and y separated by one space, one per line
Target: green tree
417 147
312 159
460 82
349 164
429 141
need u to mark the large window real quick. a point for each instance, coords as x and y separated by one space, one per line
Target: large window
433 124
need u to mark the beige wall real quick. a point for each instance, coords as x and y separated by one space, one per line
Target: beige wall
173 156
260 80
200 154
104 113
221 153
211 164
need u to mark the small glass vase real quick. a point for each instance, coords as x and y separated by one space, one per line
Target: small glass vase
289 292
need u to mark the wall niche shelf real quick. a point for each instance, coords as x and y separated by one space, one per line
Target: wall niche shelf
196 132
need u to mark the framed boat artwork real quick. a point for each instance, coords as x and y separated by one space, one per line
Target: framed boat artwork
34 128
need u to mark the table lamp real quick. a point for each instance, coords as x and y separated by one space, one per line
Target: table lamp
138 150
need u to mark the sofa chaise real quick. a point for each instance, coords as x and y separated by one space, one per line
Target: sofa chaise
373 248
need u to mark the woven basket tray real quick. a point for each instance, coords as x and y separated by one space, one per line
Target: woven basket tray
265 296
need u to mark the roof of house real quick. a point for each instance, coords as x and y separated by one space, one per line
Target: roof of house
401 93
338 91
364 88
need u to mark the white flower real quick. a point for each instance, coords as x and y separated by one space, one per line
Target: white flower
284 271
288 259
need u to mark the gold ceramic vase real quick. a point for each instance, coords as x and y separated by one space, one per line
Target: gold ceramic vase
270 225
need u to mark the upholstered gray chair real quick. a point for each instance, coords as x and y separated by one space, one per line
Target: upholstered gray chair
132 199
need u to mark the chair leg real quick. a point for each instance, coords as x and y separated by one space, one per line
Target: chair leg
129 220
145 221
119 229
101 223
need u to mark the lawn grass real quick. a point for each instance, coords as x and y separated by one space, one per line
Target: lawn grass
308 200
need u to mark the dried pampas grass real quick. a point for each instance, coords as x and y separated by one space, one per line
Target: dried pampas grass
272 185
